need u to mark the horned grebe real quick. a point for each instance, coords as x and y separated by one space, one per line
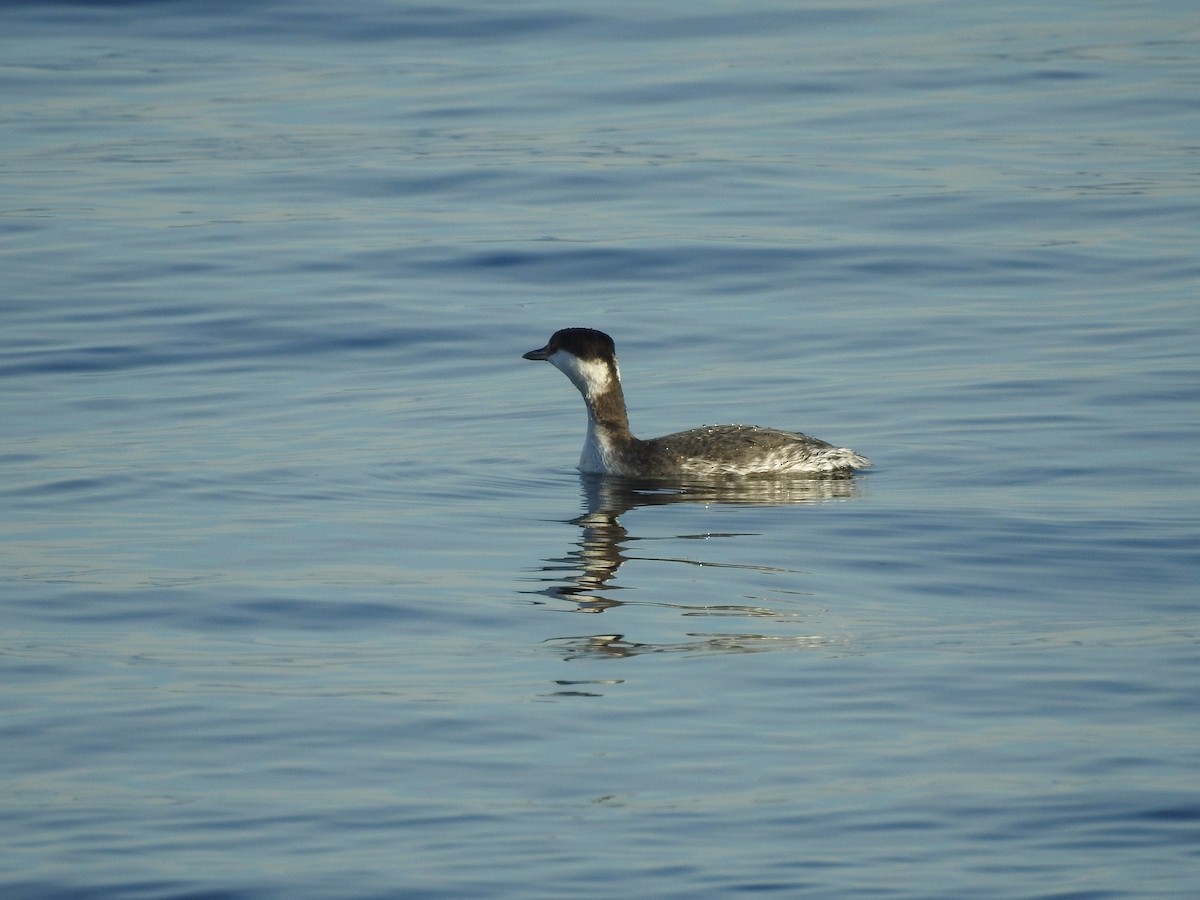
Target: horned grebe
589 358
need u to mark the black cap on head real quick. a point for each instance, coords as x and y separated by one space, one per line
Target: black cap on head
586 343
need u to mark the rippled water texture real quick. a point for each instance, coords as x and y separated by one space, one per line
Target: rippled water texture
302 595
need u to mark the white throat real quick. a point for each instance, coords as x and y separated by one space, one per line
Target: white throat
591 376
594 378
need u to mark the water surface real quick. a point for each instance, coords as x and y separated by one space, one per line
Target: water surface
302 595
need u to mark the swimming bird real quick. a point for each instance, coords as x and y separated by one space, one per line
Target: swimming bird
589 358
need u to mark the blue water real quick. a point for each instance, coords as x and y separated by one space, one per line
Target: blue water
302 595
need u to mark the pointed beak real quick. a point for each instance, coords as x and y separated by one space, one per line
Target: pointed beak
544 353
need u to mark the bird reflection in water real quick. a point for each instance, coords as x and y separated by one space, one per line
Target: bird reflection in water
585 577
